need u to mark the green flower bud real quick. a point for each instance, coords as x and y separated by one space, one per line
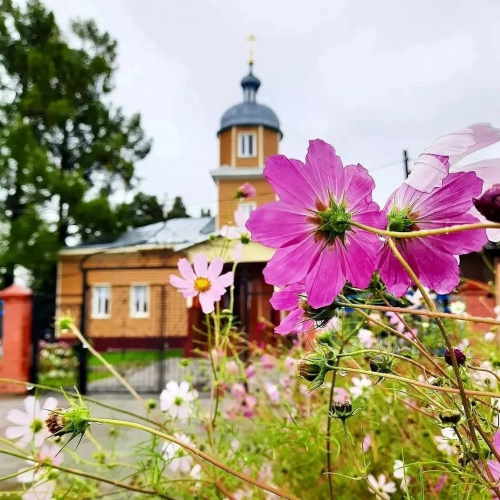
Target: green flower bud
73 420
450 417
342 410
382 363
309 369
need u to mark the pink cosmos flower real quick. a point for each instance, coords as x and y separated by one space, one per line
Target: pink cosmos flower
206 280
367 442
272 391
246 191
310 225
433 258
494 465
341 395
267 362
443 157
292 298
395 320
250 371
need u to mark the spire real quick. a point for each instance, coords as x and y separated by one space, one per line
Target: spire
250 83
251 40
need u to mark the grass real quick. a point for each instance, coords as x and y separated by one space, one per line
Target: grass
121 360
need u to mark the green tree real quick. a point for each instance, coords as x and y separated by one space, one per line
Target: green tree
63 147
178 209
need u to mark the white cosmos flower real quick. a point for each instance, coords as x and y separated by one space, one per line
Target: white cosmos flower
366 338
29 425
178 458
176 399
399 472
381 486
43 490
359 384
447 442
489 336
30 475
457 307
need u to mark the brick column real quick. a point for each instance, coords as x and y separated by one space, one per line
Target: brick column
17 318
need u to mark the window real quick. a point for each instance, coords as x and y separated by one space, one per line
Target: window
247 145
139 301
100 301
246 208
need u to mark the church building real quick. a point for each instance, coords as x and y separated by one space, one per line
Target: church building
119 293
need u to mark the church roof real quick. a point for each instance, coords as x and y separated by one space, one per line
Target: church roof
173 233
249 112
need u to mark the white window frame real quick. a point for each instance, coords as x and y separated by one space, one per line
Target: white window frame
133 312
243 137
252 206
95 313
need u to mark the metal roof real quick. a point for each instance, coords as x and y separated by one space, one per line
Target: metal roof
249 113
174 233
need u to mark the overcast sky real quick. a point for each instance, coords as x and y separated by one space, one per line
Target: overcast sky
372 77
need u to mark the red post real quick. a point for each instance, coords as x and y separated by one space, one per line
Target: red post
17 318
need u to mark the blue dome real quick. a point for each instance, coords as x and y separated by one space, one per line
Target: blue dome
249 113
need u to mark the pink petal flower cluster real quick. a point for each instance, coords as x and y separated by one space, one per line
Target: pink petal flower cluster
205 280
310 226
432 258
242 404
246 191
444 155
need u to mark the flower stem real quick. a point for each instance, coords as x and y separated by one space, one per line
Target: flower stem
410 381
451 350
420 312
329 424
101 479
109 367
195 451
426 232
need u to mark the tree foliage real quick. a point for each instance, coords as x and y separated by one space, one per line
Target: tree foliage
178 209
63 147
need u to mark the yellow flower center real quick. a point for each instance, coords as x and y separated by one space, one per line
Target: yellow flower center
202 284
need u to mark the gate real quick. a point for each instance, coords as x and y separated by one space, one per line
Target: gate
54 363
130 332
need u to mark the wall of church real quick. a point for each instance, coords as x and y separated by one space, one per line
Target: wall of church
228 204
167 315
225 148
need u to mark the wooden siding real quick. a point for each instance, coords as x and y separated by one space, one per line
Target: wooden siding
165 306
228 204
225 148
271 143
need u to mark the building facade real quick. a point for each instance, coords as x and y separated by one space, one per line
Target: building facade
119 293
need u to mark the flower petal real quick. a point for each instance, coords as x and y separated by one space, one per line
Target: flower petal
215 268
223 281
200 264
289 181
327 277
207 302
278 224
287 299
291 264
18 417
178 282
186 270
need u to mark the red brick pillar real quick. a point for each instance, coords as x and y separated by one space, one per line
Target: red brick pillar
16 342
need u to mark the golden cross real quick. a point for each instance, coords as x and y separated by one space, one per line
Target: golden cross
251 40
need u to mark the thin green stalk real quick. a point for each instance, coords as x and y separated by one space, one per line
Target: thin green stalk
101 479
110 368
420 312
195 451
426 232
451 350
410 381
